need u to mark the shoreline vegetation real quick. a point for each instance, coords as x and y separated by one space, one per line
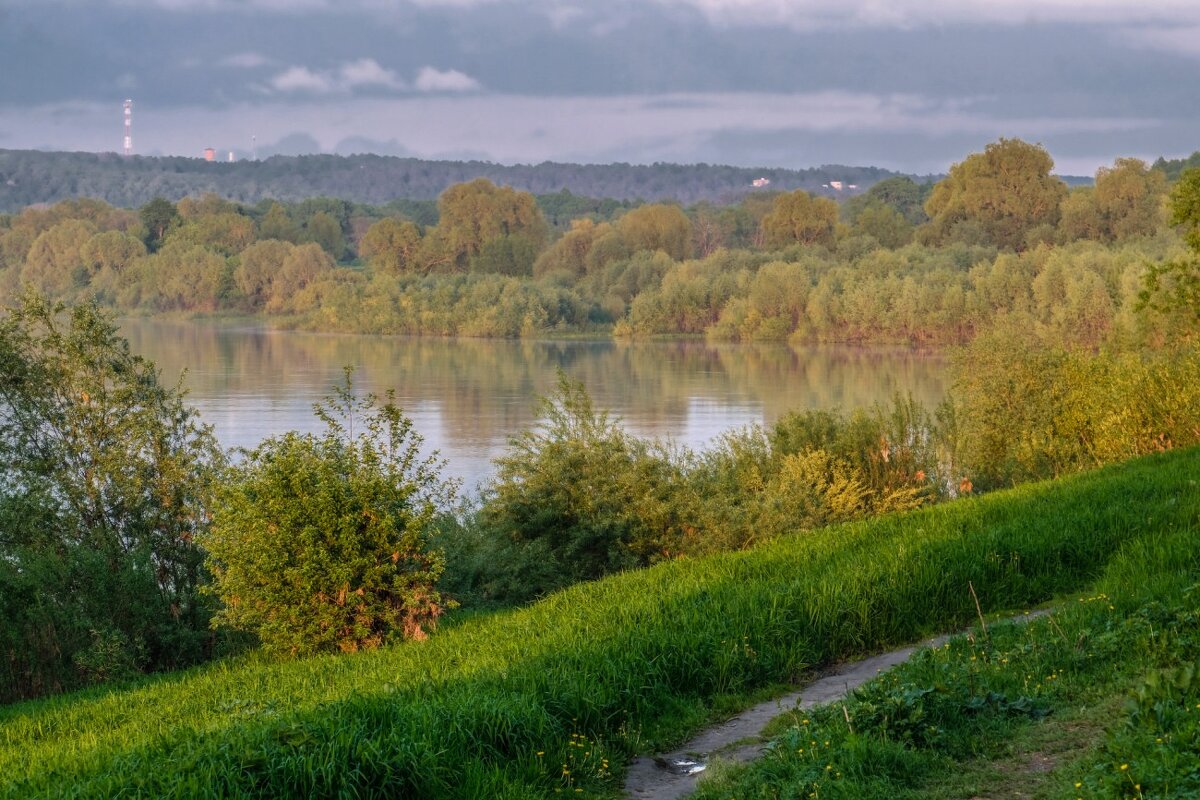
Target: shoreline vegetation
901 262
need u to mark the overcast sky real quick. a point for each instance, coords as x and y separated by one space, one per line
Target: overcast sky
913 85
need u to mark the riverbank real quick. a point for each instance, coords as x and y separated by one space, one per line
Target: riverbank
559 694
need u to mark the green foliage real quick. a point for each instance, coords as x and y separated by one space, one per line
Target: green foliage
320 542
800 218
1129 198
391 245
1006 191
573 494
657 227
1185 207
1026 411
472 214
1175 167
1172 288
105 484
158 217
496 705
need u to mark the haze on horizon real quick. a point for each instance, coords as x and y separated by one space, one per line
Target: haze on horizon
912 85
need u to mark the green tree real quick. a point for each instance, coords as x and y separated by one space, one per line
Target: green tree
577 497
1172 288
323 229
1185 207
276 224
657 227
1129 198
1006 191
1079 217
158 217
883 222
258 267
507 254
54 264
472 214
900 193
320 541
800 218
391 245
104 485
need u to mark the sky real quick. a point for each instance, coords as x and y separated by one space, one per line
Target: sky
911 85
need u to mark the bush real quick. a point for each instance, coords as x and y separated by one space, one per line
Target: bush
320 542
579 497
104 484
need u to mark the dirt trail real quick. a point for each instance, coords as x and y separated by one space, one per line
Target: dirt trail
674 775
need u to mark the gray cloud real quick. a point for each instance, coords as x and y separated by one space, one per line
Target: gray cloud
902 14
751 130
911 84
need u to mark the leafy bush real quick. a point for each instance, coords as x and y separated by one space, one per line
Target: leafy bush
320 542
104 485
579 496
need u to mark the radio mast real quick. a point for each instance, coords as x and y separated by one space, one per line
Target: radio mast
128 127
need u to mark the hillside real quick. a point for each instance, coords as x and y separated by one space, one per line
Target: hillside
31 176
556 696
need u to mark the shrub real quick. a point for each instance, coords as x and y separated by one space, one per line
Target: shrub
320 542
580 497
104 483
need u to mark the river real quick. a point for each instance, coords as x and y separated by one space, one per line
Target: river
467 396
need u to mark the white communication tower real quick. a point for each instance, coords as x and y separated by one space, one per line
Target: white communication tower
128 127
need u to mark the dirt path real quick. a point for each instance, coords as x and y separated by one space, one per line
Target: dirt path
674 775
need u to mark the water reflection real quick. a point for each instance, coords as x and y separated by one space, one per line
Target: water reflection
466 397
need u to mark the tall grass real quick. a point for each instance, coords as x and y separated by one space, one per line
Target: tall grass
554 696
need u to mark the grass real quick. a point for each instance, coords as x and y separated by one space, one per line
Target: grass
554 697
1041 710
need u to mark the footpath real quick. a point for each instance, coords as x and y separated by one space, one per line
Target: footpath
674 775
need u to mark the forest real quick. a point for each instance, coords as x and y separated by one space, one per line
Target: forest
28 177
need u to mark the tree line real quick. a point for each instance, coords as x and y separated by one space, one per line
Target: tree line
30 177
902 262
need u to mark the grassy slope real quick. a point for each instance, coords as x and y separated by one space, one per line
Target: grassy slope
523 703
1043 710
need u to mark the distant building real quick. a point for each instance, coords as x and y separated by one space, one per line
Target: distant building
759 183
231 158
836 185
210 154
852 186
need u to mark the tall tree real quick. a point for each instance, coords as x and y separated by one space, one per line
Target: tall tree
158 216
1006 191
1129 198
657 227
391 245
800 218
471 214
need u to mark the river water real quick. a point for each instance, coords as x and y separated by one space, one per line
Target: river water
467 396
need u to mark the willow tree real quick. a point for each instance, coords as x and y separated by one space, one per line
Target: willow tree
472 214
1006 193
800 218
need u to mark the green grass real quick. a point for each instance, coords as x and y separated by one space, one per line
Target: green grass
555 697
1036 710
